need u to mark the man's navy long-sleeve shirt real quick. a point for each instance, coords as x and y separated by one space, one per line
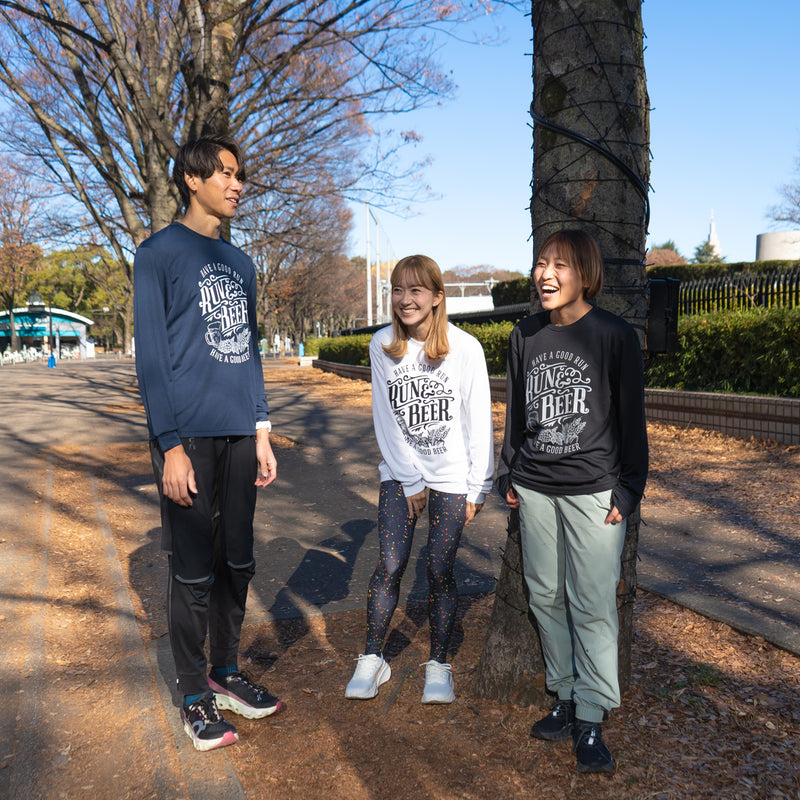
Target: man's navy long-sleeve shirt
196 337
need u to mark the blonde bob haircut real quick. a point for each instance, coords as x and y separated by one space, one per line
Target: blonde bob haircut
420 271
581 251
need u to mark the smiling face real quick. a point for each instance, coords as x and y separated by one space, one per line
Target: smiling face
218 195
560 286
413 304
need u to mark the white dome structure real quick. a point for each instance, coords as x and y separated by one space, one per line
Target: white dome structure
778 246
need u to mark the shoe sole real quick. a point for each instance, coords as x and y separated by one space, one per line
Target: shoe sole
552 737
381 676
583 768
227 703
437 701
204 745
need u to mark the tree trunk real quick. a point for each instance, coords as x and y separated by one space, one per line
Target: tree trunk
591 170
126 317
511 668
12 326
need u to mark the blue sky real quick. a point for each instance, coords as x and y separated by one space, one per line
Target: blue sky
725 135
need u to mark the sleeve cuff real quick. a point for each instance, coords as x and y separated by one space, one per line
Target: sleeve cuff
409 490
264 423
168 440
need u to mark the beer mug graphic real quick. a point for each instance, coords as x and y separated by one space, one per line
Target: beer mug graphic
214 334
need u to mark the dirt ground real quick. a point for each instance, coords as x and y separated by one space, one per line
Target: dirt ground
712 713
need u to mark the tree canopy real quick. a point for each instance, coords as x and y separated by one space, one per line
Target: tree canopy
706 253
103 92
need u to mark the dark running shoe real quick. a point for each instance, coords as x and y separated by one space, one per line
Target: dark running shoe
557 725
237 693
590 749
205 726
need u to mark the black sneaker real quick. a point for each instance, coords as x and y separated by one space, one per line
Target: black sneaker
557 725
237 693
205 726
590 749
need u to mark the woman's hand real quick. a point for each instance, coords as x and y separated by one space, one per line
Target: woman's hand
472 511
416 504
512 499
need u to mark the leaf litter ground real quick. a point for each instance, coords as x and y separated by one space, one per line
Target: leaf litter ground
712 713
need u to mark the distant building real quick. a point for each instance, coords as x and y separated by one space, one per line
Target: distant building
473 297
35 324
778 246
713 240
469 305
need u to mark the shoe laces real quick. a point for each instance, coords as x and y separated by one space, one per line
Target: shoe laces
437 665
366 664
206 707
561 708
589 734
244 680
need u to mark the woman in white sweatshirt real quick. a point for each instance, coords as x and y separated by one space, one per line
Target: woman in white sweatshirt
432 411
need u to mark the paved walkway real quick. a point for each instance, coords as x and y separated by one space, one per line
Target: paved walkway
315 549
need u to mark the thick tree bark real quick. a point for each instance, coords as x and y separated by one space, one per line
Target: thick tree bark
511 668
591 170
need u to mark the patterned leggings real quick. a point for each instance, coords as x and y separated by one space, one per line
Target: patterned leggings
446 515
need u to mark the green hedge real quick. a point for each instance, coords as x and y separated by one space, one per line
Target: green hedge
511 292
346 349
355 349
695 272
494 338
311 346
748 352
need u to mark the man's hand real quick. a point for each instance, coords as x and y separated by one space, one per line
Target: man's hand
267 465
178 482
614 516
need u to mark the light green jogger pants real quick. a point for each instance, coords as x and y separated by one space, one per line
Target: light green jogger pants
571 561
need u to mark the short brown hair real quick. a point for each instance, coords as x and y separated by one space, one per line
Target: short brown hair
200 157
423 271
581 250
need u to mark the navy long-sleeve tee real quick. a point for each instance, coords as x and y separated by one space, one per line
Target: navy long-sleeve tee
196 335
575 421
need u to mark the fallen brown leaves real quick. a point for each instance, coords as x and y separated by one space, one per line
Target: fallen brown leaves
712 713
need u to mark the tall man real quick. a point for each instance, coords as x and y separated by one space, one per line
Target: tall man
202 385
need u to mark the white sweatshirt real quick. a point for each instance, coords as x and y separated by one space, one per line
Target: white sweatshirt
433 420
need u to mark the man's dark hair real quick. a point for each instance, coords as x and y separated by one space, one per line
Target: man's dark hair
200 157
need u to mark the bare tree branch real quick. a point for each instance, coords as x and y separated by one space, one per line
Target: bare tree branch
104 91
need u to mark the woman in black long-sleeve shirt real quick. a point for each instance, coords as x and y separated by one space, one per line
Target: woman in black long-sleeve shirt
574 462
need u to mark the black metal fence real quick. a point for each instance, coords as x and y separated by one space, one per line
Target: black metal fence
733 292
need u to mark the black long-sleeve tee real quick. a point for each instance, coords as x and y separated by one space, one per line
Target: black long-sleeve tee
575 421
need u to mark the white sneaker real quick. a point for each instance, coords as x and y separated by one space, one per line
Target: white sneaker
371 672
438 683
